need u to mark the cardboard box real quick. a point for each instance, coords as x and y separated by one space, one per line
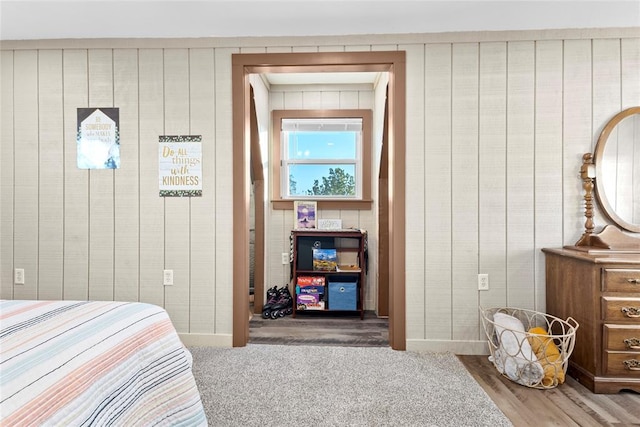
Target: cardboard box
309 302
310 281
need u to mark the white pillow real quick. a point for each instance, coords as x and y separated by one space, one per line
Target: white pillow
514 356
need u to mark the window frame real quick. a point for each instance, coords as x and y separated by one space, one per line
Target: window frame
365 201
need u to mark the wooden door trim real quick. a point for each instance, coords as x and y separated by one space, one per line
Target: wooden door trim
392 62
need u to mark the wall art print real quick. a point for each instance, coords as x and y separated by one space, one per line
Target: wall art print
98 138
180 165
305 214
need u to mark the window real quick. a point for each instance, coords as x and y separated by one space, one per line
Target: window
322 155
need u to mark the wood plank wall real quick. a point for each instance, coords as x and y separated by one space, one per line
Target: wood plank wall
496 128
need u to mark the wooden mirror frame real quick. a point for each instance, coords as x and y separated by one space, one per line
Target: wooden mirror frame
611 237
597 160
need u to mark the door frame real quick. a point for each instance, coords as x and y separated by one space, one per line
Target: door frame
243 65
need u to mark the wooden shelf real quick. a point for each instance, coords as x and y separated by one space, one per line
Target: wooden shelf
343 241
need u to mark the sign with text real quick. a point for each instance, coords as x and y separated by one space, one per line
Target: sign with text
98 139
180 165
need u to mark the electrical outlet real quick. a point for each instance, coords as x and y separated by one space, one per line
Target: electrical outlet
483 282
19 276
285 258
168 277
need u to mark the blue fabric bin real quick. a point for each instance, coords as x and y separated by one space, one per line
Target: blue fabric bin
343 293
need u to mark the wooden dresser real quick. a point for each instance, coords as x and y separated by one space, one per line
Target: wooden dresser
601 291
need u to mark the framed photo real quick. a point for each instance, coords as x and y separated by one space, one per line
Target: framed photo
304 213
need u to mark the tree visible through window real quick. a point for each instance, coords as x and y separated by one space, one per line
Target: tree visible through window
322 157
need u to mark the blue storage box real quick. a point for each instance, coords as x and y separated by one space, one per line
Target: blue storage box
343 293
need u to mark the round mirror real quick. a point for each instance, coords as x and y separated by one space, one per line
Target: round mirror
617 162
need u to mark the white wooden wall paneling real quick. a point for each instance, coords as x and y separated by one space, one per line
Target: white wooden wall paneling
513 193
101 189
224 195
7 183
577 132
548 190
152 228
606 83
26 171
607 101
520 174
203 209
464 191
76 181
312 100
357 48
303 49
177 209
371 222
126 184
630 69
492 171
330 48
415 189
437 190
51 185
332 98
277 221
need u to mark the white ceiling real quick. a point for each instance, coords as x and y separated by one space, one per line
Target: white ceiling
52 19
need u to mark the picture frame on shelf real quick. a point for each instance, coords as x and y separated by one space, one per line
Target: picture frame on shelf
305 214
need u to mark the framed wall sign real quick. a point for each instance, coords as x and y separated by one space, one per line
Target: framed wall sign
180 165
98 138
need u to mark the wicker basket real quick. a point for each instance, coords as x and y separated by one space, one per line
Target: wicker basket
535 358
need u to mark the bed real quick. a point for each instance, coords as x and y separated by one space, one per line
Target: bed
93 363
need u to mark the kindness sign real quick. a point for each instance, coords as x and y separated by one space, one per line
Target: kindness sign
180 165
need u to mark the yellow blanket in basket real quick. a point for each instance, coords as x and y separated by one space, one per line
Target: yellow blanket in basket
548 355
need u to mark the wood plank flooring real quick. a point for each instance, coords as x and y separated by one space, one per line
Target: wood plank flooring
338 329
570 404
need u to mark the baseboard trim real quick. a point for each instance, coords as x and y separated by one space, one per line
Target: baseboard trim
206 340
456 347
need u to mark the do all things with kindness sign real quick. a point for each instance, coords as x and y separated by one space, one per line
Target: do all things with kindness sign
180 165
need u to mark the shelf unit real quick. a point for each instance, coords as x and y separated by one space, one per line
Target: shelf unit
345 242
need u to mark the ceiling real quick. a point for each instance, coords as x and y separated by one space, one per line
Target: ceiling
52 19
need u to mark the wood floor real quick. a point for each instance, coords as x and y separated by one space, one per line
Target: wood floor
313 328
570 404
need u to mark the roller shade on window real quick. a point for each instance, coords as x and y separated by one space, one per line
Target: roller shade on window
321 125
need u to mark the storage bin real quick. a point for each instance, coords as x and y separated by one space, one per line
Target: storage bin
343 293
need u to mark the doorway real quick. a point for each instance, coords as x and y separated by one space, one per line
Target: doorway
243 65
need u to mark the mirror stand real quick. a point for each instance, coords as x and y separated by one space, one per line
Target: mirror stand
611 238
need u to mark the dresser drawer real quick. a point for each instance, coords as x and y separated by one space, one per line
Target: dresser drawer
622 363
622 337
621 280
616 309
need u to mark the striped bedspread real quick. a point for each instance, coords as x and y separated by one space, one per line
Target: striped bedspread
82 363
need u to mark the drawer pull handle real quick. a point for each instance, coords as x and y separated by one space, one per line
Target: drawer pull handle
632 364
634 281
631 311
632 343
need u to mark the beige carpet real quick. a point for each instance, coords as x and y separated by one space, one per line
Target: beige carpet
277 385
